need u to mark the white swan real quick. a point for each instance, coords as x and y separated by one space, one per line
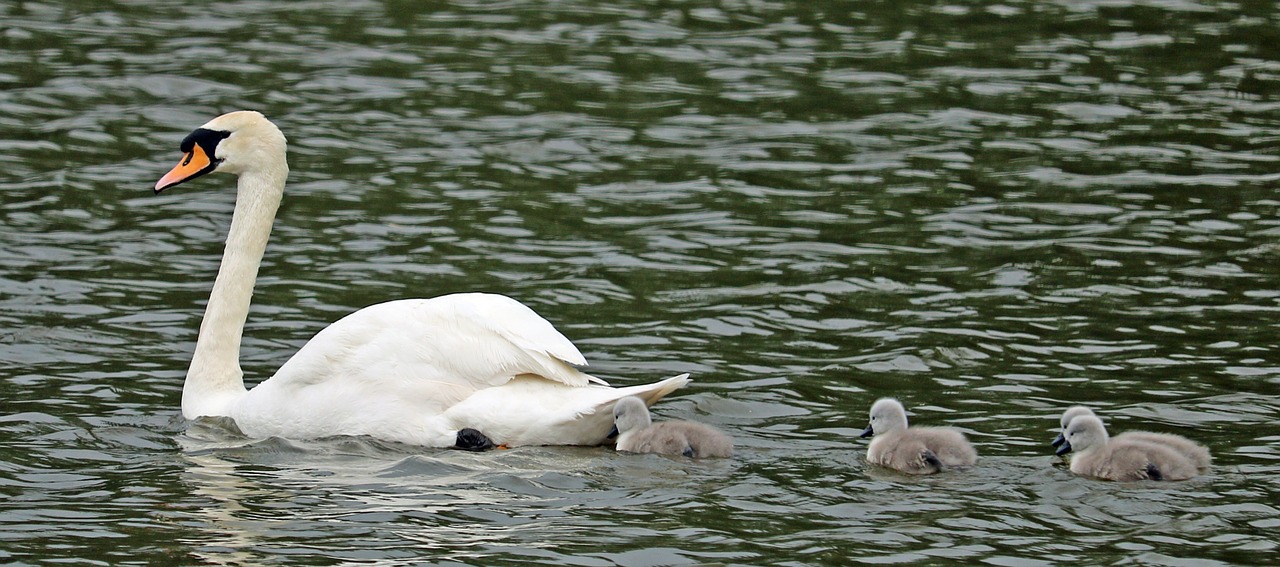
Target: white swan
415 371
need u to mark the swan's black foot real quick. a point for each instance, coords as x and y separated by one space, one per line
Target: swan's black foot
472 440
1153 472
932 460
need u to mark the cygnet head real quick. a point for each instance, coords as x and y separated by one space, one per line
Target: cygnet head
236 142
629 414
1071 413
1083 433
887 415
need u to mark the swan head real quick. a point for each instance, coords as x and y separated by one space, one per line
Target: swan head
887 415
237 142
629 414
1067 416
1083 433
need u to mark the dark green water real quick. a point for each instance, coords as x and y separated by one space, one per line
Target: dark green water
988 210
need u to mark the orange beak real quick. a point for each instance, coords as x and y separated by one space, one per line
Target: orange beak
194 163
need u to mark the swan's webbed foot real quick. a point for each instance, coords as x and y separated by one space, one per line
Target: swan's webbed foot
472 440
931 460
1153 472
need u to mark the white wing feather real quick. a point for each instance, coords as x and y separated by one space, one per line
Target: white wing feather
461 341
418 369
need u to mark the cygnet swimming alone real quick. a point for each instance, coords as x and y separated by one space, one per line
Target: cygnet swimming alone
1197 453
915 450
638 434
1099 456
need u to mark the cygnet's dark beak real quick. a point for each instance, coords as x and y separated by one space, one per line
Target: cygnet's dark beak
1064 449
868 432
1059 440
613 432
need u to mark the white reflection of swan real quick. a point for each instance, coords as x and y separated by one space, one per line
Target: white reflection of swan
346 496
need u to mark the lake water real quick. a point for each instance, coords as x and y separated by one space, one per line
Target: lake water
990 210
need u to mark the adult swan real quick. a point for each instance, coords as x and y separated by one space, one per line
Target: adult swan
416 371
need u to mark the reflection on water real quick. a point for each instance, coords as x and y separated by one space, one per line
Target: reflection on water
989 210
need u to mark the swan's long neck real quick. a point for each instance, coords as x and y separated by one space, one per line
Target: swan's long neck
214 380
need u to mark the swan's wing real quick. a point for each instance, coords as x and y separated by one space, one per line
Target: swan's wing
443 349
517 323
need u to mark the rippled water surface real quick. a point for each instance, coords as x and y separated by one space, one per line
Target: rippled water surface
989 210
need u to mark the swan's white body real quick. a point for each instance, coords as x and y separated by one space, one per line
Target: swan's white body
413 371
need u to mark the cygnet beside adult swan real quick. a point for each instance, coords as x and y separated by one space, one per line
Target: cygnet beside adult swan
913 450
1099 456
414 371
1197 453
638 434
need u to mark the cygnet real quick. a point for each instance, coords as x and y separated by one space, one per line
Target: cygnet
1099 456
915 450
637 433
1197 453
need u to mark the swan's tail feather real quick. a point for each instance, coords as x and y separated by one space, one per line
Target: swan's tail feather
659 390
650 393
566 416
